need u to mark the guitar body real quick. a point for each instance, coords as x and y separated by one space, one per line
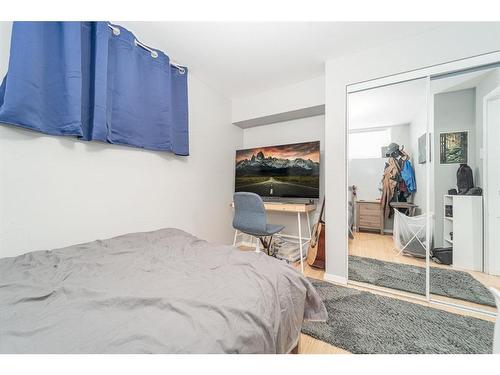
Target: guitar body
316 252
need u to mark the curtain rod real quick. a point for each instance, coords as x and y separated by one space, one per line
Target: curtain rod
154 54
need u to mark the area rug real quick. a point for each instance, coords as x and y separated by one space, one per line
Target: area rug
363 322
448 283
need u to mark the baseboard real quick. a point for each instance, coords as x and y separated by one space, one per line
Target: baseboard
335 279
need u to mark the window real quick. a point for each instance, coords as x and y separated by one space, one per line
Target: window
368 144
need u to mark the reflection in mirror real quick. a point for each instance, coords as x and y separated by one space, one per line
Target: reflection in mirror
465 195
387 185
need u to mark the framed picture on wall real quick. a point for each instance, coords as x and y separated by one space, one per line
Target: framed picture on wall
453 147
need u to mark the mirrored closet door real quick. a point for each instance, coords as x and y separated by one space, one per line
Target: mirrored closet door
465 193
387 186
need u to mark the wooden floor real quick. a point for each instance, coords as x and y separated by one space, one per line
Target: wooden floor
377 246
310 345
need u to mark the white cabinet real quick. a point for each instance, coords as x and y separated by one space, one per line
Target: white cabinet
463 230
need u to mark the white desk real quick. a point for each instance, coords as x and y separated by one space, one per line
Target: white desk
292 208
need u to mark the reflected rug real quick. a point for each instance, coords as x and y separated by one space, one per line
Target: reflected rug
363 322
448 283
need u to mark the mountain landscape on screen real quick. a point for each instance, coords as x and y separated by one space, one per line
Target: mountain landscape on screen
280 171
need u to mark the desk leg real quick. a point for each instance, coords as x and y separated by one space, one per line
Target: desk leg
300 243
235 236
309 225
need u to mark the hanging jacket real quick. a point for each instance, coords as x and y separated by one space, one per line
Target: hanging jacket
408 175
389 183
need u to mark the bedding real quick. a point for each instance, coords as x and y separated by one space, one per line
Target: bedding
164 291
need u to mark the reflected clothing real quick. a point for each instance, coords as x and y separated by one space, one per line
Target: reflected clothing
408 176
389 183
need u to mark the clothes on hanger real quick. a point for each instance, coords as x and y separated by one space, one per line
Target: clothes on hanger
398 179
408 175
389 183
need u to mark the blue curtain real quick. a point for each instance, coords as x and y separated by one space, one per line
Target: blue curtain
138 82
83 79
42 89
95 56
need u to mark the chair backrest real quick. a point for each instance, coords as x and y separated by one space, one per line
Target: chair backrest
249 213
496 338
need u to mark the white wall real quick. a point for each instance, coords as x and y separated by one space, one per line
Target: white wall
5 33
418 127
366 174
58 191
295 131
434 47
453 111
288 98
485 86
488 84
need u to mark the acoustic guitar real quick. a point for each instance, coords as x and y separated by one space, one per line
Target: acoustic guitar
316 253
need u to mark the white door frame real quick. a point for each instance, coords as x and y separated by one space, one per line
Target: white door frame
492 95
457 66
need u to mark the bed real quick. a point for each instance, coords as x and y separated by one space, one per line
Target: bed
164 291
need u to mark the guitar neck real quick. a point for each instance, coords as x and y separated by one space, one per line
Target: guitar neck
321 218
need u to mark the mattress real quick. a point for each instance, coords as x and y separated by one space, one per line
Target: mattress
165 291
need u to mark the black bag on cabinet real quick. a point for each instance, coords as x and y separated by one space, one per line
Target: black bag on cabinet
465 180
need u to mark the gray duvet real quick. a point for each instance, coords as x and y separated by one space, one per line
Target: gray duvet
158 292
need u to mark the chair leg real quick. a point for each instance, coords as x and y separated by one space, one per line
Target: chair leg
266 244
269 245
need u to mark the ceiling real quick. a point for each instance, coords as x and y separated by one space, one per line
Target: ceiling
243 58
398 104
461 81
385 106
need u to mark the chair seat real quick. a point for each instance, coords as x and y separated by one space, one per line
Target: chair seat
270 230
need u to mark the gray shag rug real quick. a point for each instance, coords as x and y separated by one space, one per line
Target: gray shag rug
366 323
444 282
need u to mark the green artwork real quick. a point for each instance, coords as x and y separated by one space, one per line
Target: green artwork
453 148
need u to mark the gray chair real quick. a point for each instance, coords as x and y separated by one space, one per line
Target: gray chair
250 218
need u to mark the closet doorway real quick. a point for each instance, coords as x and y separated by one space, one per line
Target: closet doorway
387 186
424 183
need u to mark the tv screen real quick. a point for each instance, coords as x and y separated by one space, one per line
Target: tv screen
290 171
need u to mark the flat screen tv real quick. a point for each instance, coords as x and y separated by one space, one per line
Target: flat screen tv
286 171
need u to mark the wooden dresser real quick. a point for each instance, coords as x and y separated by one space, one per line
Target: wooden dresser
369 215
